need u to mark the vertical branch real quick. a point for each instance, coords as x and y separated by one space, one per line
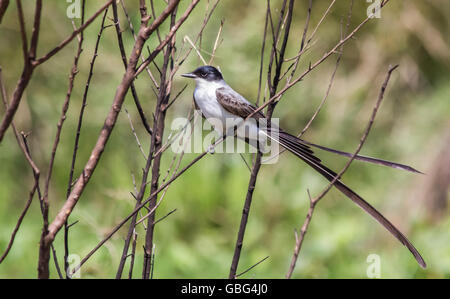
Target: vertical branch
279 58
73 73
244 217
131 230
133 253
36 28
158 128
78 132
263 47
23 31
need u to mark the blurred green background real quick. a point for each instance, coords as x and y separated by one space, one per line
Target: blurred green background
197 241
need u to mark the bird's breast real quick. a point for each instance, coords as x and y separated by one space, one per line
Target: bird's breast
222 120
207 102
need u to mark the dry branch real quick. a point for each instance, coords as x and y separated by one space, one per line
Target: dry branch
278 55
158 129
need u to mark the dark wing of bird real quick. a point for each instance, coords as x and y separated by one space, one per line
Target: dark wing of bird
236 104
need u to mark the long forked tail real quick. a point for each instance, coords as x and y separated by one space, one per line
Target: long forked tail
302 151
365 158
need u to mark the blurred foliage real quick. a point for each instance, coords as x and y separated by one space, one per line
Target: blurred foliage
197 241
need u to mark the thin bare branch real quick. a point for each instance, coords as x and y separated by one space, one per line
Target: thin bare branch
250 268
71 36
124 60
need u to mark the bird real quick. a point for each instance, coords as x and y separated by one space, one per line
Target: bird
224 108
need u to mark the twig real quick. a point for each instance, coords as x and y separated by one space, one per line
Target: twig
124 60
152 6
23 31
135 135
330 84
72 36
168 37
35 31
73 73
135 38
242 273
303 45
263 47
32 192
216 43
19 222
133 253
186 38
164 217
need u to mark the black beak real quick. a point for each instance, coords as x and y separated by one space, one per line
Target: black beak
189 75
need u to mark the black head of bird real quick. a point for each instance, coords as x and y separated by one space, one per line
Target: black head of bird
207 72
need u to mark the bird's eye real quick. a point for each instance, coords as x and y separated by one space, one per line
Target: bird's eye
203 75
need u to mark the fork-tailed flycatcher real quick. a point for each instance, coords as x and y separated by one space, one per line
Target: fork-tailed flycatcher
218 102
